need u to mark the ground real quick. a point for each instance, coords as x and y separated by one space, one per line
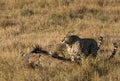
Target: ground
24 23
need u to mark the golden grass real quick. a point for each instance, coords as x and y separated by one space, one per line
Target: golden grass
24 23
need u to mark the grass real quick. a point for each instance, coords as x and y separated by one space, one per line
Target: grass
24 23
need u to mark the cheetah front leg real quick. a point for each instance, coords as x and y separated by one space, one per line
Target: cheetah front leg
75 58
72 58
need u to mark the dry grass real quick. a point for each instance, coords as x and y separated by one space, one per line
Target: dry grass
24 23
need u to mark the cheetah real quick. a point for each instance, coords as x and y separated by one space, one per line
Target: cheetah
81 47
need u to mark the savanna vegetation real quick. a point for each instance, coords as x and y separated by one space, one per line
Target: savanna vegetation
24 23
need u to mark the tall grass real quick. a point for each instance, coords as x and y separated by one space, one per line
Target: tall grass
24 23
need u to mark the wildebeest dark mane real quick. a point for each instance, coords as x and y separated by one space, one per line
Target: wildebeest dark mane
39 49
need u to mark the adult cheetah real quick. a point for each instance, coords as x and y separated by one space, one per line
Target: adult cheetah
81 47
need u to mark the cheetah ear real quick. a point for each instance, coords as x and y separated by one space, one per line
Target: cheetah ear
62 40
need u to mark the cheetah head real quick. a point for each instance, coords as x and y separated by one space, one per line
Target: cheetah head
65 40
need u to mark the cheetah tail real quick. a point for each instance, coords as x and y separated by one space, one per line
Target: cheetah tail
114 50
100 41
